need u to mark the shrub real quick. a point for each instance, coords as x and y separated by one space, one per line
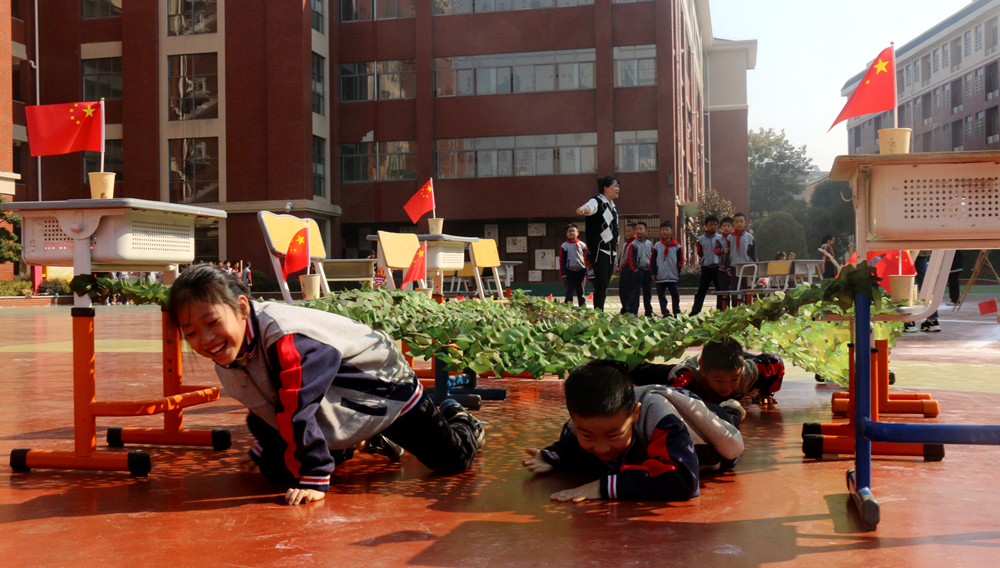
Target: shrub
13 287
54 287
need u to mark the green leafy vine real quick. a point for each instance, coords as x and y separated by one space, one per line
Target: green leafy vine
537 336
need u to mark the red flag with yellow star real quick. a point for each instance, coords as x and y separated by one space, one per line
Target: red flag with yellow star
418 268
61 129
876 92
297 256
421 202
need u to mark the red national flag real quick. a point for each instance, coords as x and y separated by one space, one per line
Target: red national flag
61 129
876 91
988 307
591 296
421 202
549 297
889 266
297 256
418 268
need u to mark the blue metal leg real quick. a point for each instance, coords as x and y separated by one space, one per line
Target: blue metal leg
442 389
859 479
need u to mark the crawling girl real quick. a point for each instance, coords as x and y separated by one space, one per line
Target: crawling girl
317 385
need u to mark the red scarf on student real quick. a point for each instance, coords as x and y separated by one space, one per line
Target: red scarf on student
738 235
673 242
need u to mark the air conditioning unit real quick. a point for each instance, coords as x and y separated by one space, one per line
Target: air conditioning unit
956 67
991 50
990 95
993 139
958 148
927 120
956 110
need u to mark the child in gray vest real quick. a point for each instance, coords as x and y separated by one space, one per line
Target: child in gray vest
665 265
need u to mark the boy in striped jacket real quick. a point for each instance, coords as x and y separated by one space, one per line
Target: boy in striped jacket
665 266
639 443
573 264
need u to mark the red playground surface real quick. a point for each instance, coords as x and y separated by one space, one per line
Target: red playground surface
197 508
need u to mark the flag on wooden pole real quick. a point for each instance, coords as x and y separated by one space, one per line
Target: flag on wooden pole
297 256
421 202
418 267
875 92
65 128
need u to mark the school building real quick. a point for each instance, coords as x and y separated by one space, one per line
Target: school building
947 87
339 111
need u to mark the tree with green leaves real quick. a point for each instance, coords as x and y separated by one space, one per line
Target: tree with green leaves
779 231
776 171
830 214
10 249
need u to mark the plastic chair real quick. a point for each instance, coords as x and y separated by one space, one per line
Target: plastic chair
278 232
395 252
484 254
461 279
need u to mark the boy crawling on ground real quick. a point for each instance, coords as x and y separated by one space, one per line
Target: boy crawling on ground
639 443
722 372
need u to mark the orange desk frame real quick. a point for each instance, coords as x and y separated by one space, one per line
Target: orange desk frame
86 409
839 437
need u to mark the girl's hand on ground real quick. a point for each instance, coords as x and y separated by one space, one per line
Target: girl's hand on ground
246 463
535 463
591 491
295 496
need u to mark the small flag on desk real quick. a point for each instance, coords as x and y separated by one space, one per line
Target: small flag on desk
418 268
549 297
988 307
591 296
297 256
421 202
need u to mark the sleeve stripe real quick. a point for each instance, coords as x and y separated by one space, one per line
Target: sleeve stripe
313 480
291 382
613 487
413 399
554 457
257 450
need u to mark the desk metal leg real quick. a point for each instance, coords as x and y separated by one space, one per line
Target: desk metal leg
859 478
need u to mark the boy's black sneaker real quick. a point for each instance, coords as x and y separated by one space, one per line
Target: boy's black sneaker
909 327
379 444
450 408
930 325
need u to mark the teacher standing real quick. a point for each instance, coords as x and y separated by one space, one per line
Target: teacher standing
602 235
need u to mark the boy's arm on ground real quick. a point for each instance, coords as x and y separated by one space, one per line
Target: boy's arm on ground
567 453
670 472
770 372
306 371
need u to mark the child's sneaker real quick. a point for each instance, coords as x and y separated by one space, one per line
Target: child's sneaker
909 327
379 444
930 325
450 408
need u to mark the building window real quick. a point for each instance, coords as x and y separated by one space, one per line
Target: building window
319 92
378 161
635 151
908 76
194 170
506 156
935 59
524 72
395 80
979 81
945 61
916 72
317 9
206 239
628 1
363 10
635 65
979 124
968 127
454 7
319 166
101 9
194 86
112 160
935 99
102 78
186 17
967 44
979 37
967 86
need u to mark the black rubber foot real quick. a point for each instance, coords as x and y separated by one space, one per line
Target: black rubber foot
811 428
812 446
19 460
892 378
819 378
115 438
139 464
221 440
933 452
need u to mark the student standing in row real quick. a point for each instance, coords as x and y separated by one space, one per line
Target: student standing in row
665 266
573 265
710 249
742 248
637 262
725 270
602 235
625 278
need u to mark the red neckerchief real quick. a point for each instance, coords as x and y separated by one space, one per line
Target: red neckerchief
738 234
673 242
574 241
